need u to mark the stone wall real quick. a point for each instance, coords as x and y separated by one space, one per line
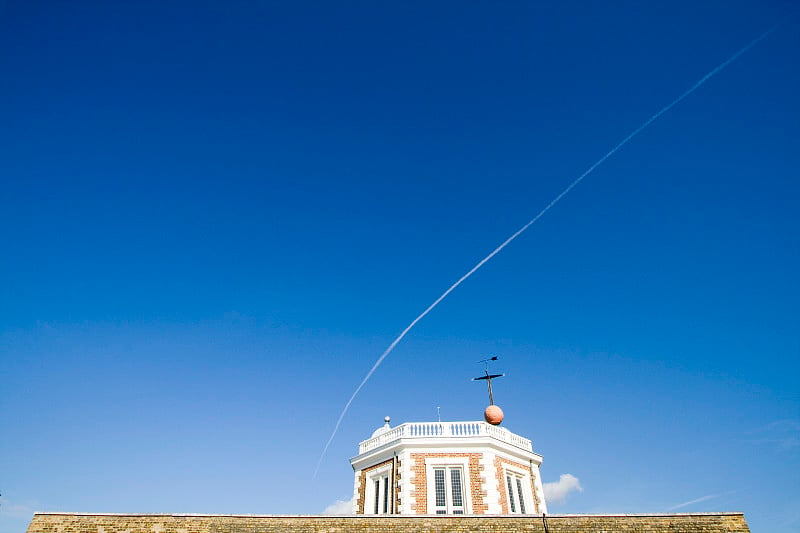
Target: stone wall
650 523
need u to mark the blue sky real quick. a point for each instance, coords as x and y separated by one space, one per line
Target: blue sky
215 218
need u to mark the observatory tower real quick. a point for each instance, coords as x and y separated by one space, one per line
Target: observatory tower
443 468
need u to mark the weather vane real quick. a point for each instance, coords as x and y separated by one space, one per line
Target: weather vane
493 414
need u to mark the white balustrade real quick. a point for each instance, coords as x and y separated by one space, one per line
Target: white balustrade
415 430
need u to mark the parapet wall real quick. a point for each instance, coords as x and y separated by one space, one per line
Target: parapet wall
152 523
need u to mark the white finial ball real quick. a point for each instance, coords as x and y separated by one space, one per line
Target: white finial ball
387 419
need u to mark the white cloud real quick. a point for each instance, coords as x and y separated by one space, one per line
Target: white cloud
340 507
556 492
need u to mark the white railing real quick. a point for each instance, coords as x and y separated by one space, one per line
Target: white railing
415 430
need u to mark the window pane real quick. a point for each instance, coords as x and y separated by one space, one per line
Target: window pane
438 475
521 497
386 495
511 495
455 481
377 494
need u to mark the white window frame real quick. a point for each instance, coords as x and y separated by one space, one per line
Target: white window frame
383 476
519 494
462 464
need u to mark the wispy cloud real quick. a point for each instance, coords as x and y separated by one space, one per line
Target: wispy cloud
557 491
10 508
783 434
696 500
788 424
340 507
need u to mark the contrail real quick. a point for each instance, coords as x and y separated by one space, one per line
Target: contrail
700 499
519 232
696 500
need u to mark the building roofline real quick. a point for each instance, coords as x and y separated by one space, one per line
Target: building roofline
400 516
446 432
405 443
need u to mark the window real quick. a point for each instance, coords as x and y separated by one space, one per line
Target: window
449 490
381 495
378 498
516 496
